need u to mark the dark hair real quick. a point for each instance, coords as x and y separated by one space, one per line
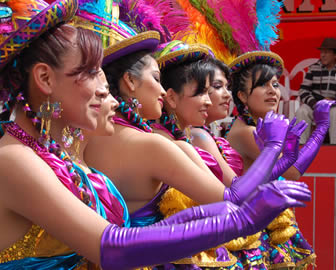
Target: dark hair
134 64
222 66
175 77
49 48
239 83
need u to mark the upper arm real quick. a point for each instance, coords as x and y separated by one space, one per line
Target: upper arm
171 165
190 151
244 142
202 139
31 189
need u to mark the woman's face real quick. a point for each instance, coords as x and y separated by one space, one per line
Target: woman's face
149 91
193 110
263 98
81 98
105 125
220 97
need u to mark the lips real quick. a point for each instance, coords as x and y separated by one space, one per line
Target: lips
161 102
272 100
96 107
204 113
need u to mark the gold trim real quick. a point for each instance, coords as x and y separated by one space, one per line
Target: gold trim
192 48
251 55
130 41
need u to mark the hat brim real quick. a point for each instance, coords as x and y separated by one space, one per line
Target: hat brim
144 41
257 57
193 53
59 11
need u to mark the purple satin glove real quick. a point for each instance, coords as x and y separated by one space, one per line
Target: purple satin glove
274 129
291 146
309 151
126 248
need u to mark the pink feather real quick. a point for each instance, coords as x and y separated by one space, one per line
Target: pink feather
241 16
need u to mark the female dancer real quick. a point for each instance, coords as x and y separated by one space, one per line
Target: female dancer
255 91
44 223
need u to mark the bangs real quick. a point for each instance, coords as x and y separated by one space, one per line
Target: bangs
266 74
200 71
91 49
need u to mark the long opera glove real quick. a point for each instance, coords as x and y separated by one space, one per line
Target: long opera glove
274 128
290 150
127 248
309 151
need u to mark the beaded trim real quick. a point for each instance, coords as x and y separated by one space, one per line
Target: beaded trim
130 41
218 143
24 247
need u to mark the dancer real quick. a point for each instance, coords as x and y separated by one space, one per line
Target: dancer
255 91
47 216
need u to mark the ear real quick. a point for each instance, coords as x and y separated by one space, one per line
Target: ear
171 98
129 81
43 76
242 96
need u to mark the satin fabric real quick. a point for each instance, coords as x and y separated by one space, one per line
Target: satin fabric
66 262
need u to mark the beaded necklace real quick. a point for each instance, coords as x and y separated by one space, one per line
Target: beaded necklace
218 143
127 110
170 123
52 146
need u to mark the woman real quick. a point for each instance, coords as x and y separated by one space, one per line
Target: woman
255 90
62 64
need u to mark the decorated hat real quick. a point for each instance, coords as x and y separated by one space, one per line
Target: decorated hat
176 51
22 21
118 38
257 57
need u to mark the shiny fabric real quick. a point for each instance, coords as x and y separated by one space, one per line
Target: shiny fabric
124 248
71 261
149 213
39 250
233 158
309 151
211 162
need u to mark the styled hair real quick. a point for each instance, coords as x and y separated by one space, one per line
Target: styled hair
222 66
239 83
134 64
49 48
175 77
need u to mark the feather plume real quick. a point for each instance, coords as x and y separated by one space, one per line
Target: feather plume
241 16
224 30
24 7
203 32
142 15
268 19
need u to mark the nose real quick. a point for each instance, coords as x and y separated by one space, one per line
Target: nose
227 93
102 92
163 92
207 100
114 104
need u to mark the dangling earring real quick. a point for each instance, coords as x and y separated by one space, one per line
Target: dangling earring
72 136
47 112
134 103
218 126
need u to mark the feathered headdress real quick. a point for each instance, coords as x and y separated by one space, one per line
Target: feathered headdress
228 27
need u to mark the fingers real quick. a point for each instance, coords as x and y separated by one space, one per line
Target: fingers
259 124
294 190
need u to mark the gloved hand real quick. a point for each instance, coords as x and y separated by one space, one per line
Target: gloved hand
126 248
274 130
290 150
309 151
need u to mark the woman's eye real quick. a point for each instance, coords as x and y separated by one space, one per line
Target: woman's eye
217 86
276 85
